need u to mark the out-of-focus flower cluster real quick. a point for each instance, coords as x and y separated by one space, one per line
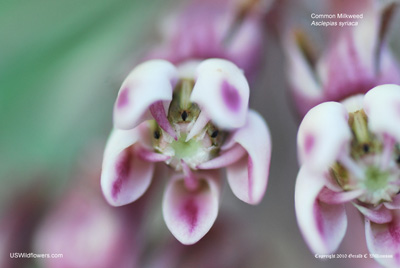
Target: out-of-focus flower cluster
348 140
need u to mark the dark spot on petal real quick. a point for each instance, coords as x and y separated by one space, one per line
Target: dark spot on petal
122 170
156 134
231 97
184 115
123 98
365 148
189 213
214 134
309 143
398 159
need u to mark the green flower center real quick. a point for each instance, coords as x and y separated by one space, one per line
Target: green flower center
185 149
376 179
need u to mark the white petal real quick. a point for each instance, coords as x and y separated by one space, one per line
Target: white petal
125 176
384 239
222 91
323 225
148 83
189 214
382 106
323 134
248 177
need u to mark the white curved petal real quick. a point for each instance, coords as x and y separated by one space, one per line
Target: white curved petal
382 106
384 239
148 83
323 225
125 176
323 134
306 90
189 214
222 91
248 177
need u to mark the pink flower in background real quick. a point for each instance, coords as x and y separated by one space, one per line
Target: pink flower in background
350 152
194 117
355 60
18 222
215 29
88 232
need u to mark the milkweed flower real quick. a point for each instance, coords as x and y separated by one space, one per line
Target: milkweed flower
194 117
350 153
203 29
355 60
82 230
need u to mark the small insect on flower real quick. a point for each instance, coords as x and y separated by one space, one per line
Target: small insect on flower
349 152
194 118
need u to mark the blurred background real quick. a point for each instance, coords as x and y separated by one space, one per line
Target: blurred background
61 65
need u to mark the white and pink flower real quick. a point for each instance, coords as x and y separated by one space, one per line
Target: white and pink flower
350 152
194 117
355 59
204 29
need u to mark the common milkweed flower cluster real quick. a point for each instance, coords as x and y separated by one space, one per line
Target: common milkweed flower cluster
194 117
355 59
350 153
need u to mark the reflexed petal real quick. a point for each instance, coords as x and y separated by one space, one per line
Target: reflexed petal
148 83
378 215
222 91
248 177
322 135
382 106
307 92
384 239
395 204
323 226
226 158
189 214
331 197
125 175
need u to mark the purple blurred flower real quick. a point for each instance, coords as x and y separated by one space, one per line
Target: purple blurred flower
350 152
355 60
195 118
215 29
18 222
88 232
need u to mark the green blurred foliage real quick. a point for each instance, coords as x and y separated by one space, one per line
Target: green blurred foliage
61 65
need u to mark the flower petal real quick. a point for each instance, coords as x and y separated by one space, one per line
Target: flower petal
382 106
248 177
189 214
323 226
222 91
384 239
307 92
150 82
322 135
395 204
378 215
125 175
331 197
